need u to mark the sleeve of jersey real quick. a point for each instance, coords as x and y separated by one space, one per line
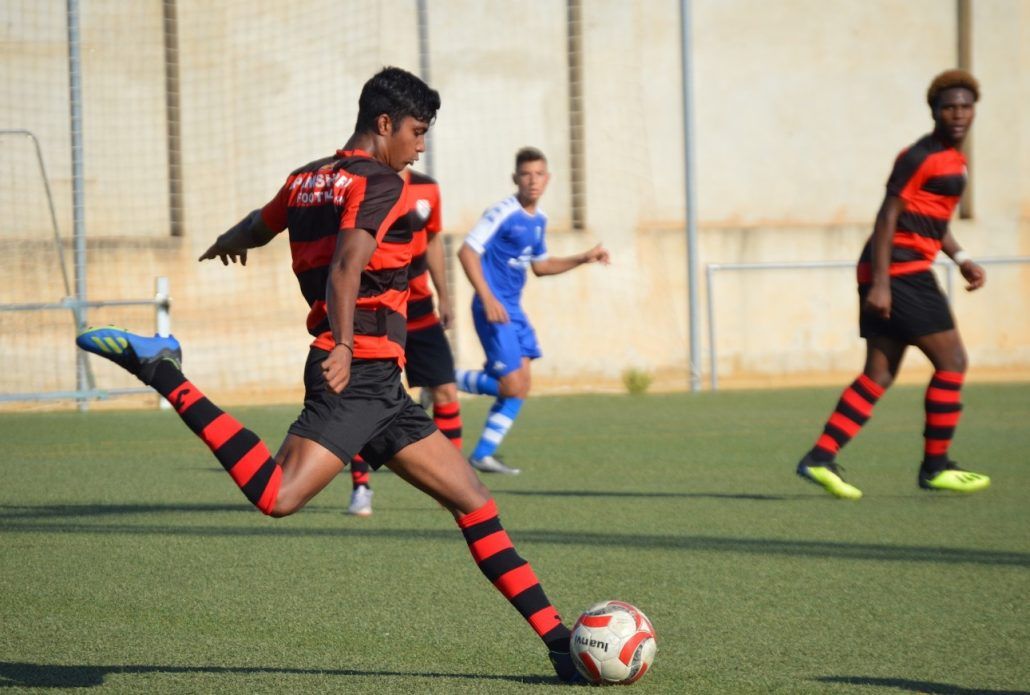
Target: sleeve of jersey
540 247
487 226
373 204
434 223
906 169
274 212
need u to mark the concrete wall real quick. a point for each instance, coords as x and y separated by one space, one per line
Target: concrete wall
801 107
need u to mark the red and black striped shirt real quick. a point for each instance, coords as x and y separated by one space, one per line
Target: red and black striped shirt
423 203
349 190
929 177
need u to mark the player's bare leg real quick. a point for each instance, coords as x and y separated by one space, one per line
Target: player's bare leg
434 466
307 467
943 406
883 359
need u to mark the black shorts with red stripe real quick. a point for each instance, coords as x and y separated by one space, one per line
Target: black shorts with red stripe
428 358
374 416
918 308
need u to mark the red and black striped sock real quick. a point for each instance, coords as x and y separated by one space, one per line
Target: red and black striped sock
240 451
854 408
943 408
447 417
359 473
514 577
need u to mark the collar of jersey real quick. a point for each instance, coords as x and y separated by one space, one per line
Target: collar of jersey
353 153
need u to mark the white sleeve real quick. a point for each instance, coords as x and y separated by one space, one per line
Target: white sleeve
487 226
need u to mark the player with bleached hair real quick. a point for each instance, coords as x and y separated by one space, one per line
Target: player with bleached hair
901 303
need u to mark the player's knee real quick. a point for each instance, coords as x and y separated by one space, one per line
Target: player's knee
882 377
285 505
445 394
958 361
514 385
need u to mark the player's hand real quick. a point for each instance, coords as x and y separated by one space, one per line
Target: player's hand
336 368
446 312
495 311
221 249
598 254
878 301
975 275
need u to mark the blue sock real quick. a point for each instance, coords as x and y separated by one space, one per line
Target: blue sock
474 381
502 417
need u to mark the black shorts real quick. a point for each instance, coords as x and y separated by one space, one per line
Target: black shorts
918 308
429 361
374 416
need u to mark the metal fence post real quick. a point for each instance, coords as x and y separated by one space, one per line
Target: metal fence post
162 320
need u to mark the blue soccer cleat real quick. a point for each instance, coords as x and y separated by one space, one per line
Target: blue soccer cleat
136 354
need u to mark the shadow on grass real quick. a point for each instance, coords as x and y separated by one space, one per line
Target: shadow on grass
16 519
18 674
629 494
917 686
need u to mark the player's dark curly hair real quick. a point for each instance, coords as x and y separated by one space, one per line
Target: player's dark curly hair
949 79
528 154
398 94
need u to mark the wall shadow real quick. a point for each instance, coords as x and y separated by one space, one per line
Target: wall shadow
21 674
928 687
96 519
629 494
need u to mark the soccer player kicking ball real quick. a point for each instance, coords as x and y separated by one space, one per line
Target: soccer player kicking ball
351 249
429 363
508 239
901 303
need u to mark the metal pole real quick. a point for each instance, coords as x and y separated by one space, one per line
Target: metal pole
83 380
423 68
688 157
713 366
163 320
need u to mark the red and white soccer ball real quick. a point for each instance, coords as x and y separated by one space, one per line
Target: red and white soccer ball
613 642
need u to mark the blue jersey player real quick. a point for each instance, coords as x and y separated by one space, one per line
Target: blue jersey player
507 240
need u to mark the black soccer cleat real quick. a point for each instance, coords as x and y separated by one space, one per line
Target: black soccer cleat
565 669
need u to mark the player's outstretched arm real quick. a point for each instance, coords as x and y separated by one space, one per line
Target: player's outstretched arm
556 266
249 233
472 264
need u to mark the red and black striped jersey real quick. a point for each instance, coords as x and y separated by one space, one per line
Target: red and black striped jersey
929 177
349 190
423 204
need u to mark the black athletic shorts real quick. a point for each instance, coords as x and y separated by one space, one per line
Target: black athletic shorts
429 361
374 416
918 308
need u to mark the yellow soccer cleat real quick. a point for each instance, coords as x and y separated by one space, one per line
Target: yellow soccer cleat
953 478
828 475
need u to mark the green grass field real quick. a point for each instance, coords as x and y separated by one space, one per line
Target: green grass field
131 563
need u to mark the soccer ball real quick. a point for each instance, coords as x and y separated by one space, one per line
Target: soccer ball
613 642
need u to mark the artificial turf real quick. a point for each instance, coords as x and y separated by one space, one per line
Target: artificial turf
129 562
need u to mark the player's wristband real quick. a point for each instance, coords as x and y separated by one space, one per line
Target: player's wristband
960 257
346 346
